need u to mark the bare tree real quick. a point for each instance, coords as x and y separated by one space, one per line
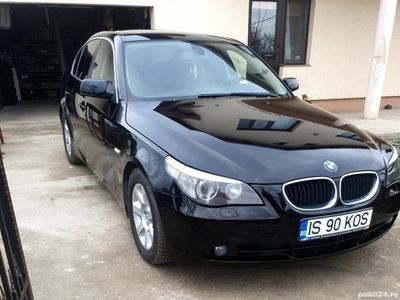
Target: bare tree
261 42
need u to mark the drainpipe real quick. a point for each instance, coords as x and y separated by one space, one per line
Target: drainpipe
383 36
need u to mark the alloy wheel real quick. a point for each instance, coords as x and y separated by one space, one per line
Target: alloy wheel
67 138
142 216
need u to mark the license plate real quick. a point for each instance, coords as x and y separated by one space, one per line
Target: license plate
320 227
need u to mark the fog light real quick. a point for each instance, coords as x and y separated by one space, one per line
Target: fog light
220 250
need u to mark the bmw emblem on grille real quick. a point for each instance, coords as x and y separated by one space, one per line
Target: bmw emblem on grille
330 166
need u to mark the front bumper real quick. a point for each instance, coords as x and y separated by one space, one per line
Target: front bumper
264 233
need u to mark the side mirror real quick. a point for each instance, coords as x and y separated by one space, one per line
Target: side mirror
96 88
292 83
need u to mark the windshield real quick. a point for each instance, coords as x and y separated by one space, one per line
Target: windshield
182 70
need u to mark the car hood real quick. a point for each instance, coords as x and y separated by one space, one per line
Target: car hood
255 140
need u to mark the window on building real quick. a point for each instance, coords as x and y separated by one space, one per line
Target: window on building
297 19
263 27
281 124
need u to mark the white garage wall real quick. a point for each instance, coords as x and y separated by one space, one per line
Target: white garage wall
217 17
340 51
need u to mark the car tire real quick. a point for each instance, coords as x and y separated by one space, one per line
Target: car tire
145 220
69 144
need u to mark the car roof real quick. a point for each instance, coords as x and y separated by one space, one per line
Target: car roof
141 35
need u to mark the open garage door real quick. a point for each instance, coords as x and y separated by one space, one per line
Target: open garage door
38 44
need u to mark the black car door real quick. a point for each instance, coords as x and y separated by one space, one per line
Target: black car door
75 102
99 113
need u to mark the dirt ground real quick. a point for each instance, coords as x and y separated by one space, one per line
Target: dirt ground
78 243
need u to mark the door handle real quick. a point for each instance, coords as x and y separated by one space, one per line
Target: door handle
82 105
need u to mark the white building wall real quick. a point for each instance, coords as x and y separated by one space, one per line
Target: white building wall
392 80
227 18
340 51
340 40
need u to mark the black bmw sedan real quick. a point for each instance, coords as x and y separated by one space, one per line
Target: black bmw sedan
211 154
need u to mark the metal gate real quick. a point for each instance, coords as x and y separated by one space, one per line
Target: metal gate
15 282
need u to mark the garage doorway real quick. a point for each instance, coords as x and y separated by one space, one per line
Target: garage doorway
38 44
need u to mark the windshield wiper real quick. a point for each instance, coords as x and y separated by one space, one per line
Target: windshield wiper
239 94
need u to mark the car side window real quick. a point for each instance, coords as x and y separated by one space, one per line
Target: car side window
76 62
103 65
85 60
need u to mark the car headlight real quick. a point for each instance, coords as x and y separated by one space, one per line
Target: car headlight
392 164
392 159
209 189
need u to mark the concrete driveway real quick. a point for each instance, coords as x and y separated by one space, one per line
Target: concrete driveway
78 243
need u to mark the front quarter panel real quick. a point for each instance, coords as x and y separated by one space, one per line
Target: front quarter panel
151 159
130 149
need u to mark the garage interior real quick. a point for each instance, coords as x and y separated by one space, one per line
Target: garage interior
38 44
